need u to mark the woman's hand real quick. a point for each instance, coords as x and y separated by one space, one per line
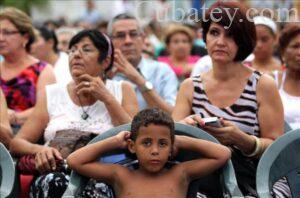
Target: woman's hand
226 134
12 116
45 160
122 138
194 120
94 86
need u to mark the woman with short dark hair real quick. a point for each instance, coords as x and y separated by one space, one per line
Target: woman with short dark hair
90 103
243 99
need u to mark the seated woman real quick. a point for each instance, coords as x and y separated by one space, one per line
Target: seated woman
242 97
89 103
288 80
22 76
179 40
5 130
266 39
45 48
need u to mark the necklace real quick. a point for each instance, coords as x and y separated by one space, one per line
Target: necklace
84 114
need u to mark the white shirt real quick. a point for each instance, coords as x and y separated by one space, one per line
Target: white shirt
64 114
291 104
61 69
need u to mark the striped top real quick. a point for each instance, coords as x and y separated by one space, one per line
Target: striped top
243 113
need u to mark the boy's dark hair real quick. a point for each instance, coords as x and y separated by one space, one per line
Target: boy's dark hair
151 116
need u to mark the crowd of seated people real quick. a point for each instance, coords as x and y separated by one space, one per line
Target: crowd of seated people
69 81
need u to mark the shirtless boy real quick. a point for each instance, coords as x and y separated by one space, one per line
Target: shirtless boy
153 141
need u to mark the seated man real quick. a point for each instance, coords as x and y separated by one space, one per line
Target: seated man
155 83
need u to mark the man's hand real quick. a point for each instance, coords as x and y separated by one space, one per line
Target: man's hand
123 66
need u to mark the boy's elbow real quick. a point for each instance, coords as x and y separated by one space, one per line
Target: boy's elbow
226 155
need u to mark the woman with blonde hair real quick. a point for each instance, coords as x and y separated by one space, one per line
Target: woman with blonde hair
22 76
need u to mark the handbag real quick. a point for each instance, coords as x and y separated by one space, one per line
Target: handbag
65 141
68 141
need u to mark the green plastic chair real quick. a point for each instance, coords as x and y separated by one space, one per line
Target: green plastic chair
287 127
7 172
281 159
226 176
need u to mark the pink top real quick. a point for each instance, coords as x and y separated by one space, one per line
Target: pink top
178 70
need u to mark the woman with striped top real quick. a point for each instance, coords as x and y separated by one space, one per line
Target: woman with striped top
247 102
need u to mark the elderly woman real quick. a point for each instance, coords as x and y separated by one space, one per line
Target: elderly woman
288 81
5 130
89 103
22 76
243 98
179 40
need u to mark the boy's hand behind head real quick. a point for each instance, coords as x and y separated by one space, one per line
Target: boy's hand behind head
122 138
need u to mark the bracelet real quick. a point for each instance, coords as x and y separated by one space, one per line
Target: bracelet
257 148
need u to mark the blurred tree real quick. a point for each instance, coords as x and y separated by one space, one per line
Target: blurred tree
24 5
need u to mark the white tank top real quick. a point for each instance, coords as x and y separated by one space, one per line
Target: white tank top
291 104
64 114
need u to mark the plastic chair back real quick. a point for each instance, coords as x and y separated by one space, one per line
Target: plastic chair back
7 172
281 159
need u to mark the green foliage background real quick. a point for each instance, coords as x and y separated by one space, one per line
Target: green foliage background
24 5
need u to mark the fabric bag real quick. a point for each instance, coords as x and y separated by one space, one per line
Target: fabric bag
68 141
65 141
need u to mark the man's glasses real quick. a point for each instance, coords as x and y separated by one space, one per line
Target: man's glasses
122 35
84 51
9 32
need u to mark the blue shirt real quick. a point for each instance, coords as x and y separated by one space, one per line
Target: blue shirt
162 77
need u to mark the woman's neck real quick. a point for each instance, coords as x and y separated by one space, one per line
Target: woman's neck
80 99
291 81
293 75
12 61
179 60
268 64
51 58
226 71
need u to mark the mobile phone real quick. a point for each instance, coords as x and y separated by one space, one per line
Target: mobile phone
212 121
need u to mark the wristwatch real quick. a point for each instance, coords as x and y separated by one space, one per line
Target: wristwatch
146 87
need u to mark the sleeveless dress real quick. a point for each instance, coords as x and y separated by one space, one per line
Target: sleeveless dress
243 113
20 92
64 114
291 104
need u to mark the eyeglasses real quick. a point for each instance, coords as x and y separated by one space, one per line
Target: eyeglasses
9 32
84 51
122 35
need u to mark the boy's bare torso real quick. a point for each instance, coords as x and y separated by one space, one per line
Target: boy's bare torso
135 184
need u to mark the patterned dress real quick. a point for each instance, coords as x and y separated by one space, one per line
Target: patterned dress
20 91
